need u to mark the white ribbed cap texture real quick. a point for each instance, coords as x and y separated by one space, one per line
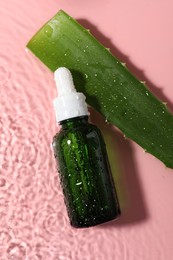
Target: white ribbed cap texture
69 103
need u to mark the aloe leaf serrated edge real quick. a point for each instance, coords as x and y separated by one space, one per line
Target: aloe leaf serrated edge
108 85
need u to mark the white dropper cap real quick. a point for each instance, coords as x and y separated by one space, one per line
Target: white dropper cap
69 103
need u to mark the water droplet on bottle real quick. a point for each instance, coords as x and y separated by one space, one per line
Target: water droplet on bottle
78 183
68 142
86 76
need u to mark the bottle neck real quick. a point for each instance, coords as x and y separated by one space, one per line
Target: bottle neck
74 122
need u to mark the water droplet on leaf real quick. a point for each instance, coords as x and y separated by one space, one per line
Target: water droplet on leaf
48 30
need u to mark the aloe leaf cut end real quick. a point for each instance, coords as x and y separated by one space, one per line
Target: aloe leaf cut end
108 85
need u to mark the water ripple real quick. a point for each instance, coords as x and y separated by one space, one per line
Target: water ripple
55 223
33 218
2 182
5 237
17 250
4 73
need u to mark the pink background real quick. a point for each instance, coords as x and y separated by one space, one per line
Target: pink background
33 219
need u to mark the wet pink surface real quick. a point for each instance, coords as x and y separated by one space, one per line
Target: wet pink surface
33 219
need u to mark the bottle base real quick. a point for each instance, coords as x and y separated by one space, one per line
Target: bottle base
95 221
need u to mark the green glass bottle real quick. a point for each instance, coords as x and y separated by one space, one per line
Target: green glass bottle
79 148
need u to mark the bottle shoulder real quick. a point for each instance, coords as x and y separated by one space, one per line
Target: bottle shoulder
82 129
69 139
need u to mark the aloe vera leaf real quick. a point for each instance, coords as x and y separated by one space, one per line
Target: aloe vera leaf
108 85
